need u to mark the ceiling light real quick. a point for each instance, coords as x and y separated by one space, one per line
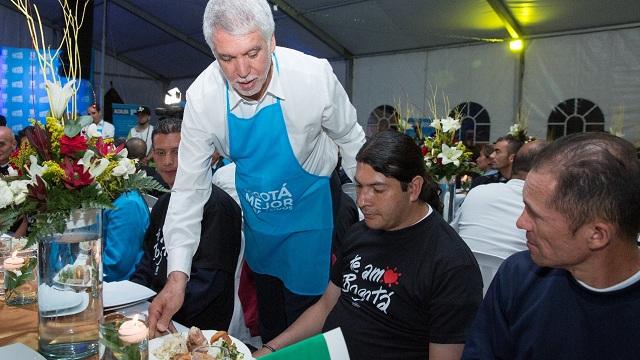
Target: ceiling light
516 45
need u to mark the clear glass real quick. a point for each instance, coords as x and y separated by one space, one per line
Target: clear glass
111 345
20 284
70 288
210 352
447 197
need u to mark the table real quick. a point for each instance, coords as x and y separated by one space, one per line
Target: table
19 324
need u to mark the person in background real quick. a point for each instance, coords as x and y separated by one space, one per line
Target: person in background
574 294
484 161
504 151
143 128
7 146
404 285
209 293
137 149
487 218
280 116
98 127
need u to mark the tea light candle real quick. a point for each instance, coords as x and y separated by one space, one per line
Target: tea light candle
133 331
14 262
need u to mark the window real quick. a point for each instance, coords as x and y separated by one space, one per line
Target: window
574 116
381 118
475 122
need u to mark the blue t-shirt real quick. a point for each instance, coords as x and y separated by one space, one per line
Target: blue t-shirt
542 313
123 229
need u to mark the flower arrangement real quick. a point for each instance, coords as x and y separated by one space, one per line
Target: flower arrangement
444 155
60 169
519 129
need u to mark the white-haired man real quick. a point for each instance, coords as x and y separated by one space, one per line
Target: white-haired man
281 116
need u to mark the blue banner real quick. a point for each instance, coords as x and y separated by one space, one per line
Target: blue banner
22 88
124 118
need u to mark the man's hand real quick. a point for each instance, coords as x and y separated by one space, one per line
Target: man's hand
167 303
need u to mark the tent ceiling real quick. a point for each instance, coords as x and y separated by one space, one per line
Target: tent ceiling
164 38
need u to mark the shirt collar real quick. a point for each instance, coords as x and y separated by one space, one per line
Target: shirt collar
274 90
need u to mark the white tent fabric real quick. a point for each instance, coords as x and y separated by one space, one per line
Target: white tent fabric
601 67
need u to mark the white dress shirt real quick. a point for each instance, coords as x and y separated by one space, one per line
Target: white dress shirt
106 130
487 218
318 116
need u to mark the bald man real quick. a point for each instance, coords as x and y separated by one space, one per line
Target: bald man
7 145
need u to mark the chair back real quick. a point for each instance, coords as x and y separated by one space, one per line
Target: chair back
489 265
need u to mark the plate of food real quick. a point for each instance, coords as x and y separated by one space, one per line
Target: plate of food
75 275
179 346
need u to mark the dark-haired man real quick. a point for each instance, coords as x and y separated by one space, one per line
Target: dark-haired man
575 293
486 222
209 293
404 286
504 152
99 127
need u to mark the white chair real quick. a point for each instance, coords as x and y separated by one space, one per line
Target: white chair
489 265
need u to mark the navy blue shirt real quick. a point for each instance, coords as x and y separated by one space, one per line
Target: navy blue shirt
542 313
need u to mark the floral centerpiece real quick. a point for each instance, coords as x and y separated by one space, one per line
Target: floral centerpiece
444 154
59 181
62 168
519 129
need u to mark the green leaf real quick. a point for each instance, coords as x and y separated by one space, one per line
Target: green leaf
85 120
72 128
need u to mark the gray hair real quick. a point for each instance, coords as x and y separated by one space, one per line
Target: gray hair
237 17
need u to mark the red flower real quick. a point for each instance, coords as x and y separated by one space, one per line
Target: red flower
39 139
424 150
74 175
73 146
105 148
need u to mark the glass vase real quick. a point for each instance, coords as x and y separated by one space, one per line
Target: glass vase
447 197
70 288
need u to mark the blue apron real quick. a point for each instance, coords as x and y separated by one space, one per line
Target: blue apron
288 219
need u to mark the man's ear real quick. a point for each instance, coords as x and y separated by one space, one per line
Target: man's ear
415 187
599 234
512 157
273 43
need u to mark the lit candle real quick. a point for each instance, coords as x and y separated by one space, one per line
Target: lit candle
133 331
14 262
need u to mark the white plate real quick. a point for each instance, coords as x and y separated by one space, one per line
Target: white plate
242 348
119 293
19 351
57 299
71 311
56 279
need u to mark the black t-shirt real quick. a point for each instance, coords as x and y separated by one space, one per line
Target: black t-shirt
209 293
403 289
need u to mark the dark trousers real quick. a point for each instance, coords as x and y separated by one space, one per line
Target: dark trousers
277 306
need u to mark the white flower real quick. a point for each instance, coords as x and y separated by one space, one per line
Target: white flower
6 195
35 169
436 124
95 169
12 171
449 124
59 97
123 153
125 168
92 131
450 155
19 188
514 129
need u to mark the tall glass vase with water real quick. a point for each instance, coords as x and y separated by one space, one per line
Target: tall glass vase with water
70 288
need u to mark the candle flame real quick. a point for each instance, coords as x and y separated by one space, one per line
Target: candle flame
14 253
135 318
